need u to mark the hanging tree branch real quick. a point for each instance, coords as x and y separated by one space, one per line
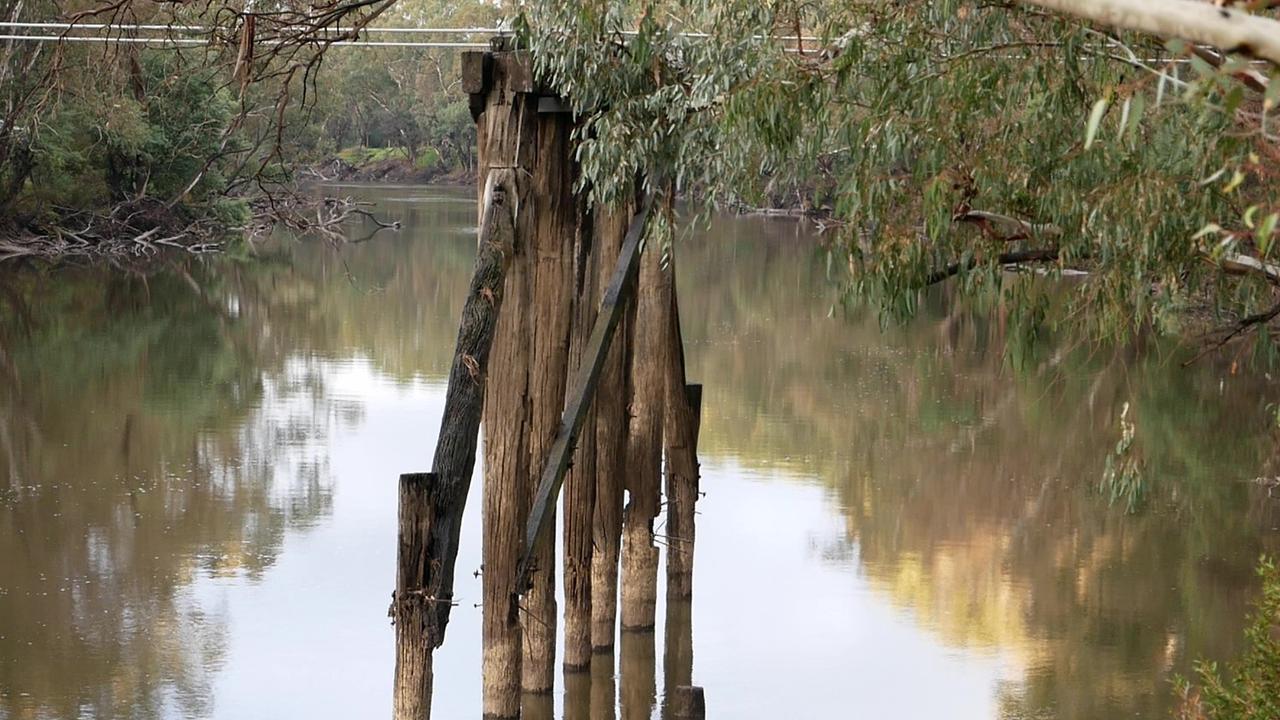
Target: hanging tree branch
1232 30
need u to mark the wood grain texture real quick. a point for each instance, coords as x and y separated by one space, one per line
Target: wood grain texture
681 424
506 141
580 482
639 595
554 226
612 394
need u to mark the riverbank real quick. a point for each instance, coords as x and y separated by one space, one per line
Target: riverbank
391 165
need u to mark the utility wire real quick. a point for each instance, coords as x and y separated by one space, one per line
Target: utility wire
161 41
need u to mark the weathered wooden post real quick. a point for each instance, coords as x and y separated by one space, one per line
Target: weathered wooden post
500 85
555 228
644 445
689 703
681 424
431 505
580 484
413 615
611 447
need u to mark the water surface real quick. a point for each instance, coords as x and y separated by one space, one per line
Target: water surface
198 483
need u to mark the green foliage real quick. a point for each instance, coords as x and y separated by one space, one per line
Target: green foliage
162 140
427 159
1250 688
905 116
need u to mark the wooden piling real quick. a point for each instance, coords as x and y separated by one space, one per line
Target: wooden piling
689 703
412 611
644 445
432 505
505 132
681 424
611 443
554 225
580 483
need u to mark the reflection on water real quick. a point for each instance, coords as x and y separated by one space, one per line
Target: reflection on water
197 493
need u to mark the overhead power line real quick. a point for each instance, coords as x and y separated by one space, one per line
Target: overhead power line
192 42
200 29
204 29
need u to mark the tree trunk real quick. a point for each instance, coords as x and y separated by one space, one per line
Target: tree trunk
554 220
644 445
611 436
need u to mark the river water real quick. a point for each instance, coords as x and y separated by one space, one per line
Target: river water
198 484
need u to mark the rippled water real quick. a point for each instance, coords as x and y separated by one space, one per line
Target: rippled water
198 484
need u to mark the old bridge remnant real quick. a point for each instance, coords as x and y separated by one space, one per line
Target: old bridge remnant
569 349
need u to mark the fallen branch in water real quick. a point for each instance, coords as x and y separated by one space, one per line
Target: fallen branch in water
323 218
1249 322
140 230
1008 258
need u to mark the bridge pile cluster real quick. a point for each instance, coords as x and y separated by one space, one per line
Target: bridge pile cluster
570 351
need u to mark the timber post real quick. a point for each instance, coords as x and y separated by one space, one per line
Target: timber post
684 418
644 446
500 85
681 425
580 483
555 230
431 505
411 608
611 447
689 703
616 365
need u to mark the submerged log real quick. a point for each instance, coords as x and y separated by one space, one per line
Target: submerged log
431 505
